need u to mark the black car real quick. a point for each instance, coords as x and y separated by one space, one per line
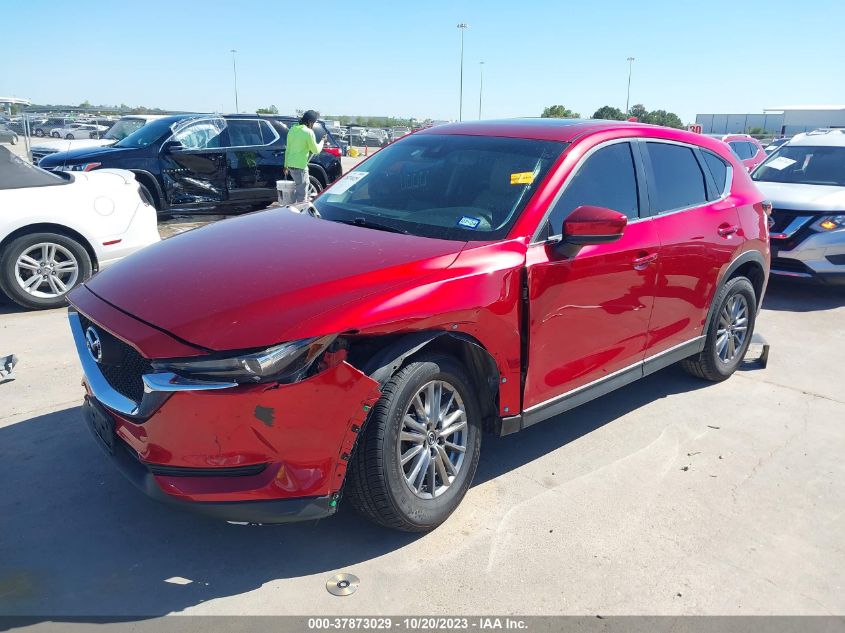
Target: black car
204 163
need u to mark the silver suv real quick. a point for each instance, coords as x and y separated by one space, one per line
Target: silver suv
805 182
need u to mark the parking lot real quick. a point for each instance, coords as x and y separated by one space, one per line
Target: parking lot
669 496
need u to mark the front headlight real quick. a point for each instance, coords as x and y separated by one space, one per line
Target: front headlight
288 362
829 223
82 167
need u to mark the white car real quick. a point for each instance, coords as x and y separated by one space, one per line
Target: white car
56 229
78 130
122 128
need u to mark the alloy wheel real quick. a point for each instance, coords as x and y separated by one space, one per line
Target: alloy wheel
433 439
46 270
733 328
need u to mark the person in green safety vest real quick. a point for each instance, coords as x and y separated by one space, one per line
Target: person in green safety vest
301 145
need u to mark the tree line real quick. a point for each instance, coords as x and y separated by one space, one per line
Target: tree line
639 111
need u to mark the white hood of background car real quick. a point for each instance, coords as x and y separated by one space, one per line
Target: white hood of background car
797 197
63 145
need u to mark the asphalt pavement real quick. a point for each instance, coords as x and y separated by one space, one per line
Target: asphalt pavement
670 496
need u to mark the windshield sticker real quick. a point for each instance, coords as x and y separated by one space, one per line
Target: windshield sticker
781 162
468 222
522 178
347 181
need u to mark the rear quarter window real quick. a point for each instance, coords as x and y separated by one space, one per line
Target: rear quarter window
718 170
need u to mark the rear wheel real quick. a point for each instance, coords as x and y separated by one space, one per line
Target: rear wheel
39 269
69 136
728 334
39 132
14 140
419 450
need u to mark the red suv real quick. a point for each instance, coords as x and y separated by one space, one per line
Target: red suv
469 278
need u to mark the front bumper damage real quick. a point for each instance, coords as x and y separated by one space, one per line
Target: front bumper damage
265 453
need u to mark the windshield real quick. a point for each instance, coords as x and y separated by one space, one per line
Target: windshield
803 164
443 186
148 134
123 128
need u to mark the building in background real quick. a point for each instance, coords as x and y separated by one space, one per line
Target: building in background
781 121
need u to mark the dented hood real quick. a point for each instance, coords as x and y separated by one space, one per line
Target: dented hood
242 283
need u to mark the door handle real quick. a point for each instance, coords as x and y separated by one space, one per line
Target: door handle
641 263
726 230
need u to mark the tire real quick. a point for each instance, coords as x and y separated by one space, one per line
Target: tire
315 188
14 140
712 364
55 134
69 137
39 132
376 484
67 253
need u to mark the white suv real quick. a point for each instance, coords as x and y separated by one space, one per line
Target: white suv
805 182
122 128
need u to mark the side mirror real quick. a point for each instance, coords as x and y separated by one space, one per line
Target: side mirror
593 225
172 146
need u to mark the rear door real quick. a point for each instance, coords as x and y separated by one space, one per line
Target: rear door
194 171
589 313
255 160
699 230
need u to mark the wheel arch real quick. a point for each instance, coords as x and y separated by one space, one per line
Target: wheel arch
151 183
391 354
49 227
319 173
750 264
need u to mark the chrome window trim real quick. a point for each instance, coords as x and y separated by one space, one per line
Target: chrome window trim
155 384
597 381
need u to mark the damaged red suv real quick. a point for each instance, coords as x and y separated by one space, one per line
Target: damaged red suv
471 278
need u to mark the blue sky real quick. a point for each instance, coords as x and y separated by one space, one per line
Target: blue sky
401 58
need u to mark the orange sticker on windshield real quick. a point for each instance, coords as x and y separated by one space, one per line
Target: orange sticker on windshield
522 178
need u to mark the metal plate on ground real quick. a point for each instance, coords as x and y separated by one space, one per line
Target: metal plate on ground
342 584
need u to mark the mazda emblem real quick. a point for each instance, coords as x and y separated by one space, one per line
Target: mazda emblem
94 345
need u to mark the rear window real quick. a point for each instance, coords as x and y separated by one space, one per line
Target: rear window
678 181
741 149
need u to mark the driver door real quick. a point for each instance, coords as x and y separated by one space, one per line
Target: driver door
193 164
589 312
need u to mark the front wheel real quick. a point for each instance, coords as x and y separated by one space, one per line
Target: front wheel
419 450
313 189
14 140
728 334
39 269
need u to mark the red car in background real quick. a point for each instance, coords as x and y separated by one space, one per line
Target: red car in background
747 148
469 278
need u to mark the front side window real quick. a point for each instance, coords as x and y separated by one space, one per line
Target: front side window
201 135
678 181
803 164
467 188
606 179
148 134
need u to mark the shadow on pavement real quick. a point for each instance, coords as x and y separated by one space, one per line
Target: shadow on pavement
78 540
792 295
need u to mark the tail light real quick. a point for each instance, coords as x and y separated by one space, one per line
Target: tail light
334 151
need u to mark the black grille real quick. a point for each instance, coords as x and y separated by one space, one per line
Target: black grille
783 219
122 366
789 265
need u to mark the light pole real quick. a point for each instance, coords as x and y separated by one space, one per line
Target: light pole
463 27
235 73
628 98
480 86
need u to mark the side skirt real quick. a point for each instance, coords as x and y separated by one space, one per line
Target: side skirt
597 388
